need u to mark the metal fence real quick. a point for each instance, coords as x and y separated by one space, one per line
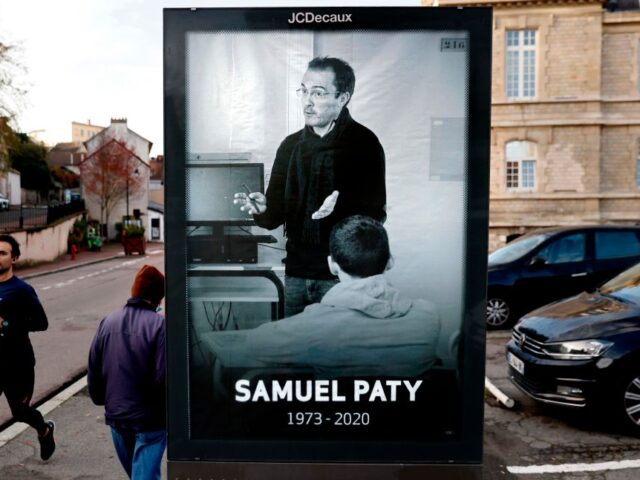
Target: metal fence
25 217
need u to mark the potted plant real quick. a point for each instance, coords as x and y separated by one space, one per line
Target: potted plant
133 238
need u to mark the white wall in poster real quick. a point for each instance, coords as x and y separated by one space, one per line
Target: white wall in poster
241 98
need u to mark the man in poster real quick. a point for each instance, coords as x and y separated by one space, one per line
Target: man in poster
333 168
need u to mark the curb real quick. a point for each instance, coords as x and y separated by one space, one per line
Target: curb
16 428
69 267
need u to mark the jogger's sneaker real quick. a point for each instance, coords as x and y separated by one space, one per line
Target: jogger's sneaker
47 443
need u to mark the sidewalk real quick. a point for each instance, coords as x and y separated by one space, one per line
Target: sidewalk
64 262
84 449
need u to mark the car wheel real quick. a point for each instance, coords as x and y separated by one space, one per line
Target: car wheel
499 311
628 402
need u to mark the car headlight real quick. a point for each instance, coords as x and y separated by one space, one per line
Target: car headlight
578 350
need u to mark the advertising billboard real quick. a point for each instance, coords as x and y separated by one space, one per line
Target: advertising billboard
327 211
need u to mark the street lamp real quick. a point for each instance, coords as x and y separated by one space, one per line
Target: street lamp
136 172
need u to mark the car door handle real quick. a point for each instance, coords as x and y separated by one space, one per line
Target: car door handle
583 274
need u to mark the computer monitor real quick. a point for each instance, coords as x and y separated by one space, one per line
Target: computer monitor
210 191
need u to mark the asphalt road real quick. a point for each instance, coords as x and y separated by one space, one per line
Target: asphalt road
75 301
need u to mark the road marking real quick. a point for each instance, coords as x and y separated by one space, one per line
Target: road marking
99 272
155 252
17 428
575 467
131 262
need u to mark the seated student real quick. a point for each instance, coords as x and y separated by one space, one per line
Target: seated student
362 327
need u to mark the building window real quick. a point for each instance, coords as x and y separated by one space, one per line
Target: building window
521 63
521 165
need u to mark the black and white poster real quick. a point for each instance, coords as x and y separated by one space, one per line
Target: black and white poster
327 174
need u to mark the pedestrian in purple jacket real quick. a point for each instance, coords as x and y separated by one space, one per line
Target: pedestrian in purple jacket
127 376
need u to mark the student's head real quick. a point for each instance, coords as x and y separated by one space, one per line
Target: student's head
148 285
359 246
326 88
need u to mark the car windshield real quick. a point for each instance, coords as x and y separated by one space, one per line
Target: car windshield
625 286
516 249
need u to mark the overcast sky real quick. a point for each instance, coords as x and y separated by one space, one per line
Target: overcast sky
98 59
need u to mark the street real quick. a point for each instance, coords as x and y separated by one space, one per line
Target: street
531 441
75 301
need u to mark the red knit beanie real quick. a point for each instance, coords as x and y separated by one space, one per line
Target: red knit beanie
148 284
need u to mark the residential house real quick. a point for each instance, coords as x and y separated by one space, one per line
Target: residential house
156 182
10 185
155 224
156 199
66 154
565 122
125 145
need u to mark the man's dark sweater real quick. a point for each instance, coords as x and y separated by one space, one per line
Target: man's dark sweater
22 313
306 170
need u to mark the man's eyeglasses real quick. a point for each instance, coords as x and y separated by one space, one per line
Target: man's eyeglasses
313 93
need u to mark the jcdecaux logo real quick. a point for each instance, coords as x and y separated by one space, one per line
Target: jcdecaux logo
310 17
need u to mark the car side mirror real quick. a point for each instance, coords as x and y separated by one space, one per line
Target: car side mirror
537 262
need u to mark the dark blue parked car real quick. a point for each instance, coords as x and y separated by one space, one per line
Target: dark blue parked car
551 264
584 351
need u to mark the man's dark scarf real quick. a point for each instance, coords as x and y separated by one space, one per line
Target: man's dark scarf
310 179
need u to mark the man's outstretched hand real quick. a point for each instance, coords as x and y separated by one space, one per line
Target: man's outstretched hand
327 206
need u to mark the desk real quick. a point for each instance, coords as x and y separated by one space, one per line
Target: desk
243 293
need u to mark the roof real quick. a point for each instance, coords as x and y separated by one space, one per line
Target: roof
106 131
72 168
156 207
156 165
73 122
121 145
67 147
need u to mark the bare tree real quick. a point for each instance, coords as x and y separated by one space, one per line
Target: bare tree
12 94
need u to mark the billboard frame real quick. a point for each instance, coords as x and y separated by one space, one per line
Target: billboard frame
185 454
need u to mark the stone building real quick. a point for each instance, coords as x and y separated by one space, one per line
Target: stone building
81 132
565 122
